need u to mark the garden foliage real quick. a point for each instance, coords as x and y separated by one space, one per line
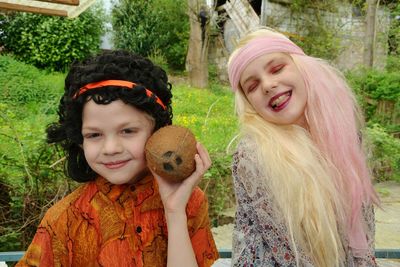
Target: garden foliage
29 180
149 27
379 96
51 42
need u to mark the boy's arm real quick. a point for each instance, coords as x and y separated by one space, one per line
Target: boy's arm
198 226
180 250
175 197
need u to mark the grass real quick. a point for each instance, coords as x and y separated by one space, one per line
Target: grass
208 114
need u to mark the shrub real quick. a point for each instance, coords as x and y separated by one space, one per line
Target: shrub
218 185
49 41
26 170
379 95
394 30
28 185
149 26
385 156
21 83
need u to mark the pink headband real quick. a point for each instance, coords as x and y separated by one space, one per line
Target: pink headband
255 48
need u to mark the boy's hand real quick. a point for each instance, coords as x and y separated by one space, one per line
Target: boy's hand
176 195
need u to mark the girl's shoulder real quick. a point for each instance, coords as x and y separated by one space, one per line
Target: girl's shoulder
246 145
246 154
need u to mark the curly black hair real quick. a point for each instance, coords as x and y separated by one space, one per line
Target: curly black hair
110 65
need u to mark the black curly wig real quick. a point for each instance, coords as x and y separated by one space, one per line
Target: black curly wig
111 65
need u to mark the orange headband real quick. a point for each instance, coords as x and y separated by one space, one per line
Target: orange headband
119 83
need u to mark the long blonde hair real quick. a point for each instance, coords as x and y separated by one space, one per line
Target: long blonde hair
318 176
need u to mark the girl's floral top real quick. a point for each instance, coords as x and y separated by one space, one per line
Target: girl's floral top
260 236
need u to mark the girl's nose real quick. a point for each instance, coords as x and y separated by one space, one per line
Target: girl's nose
112 145
268 85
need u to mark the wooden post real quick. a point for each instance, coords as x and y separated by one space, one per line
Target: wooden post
197 56
370 32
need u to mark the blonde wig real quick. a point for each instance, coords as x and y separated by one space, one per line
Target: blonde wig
318 175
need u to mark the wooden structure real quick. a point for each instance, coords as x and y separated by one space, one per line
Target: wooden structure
66 8
242 15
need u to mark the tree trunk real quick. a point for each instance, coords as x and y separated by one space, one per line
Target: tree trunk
197 56
370 32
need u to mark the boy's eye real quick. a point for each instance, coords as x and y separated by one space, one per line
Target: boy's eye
129 131
91 135
277 68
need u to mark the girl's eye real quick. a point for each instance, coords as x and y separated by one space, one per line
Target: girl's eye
277 69
91 135
252 86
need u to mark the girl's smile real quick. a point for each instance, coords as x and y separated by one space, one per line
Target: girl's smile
280 101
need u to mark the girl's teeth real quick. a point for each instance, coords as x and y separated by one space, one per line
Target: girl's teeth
278 100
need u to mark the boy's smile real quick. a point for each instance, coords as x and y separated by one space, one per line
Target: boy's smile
116 164
114 136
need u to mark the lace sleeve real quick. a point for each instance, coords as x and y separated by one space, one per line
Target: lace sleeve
369 217
259 236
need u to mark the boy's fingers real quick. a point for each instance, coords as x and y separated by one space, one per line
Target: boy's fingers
203 153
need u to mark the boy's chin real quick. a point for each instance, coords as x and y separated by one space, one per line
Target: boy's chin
118 181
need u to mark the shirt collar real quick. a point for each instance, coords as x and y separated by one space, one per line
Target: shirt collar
143 192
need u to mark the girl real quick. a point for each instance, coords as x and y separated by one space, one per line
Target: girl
121 216
303 189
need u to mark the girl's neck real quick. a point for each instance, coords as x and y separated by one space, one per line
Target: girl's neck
302 122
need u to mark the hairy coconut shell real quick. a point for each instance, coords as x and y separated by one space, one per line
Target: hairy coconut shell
170 152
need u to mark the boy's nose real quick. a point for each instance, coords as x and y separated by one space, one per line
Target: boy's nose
112 145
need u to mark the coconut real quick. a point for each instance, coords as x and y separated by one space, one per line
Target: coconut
170 152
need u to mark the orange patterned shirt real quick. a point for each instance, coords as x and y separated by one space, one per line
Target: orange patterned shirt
101 224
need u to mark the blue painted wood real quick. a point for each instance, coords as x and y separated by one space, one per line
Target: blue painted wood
11 256
387 253
225 253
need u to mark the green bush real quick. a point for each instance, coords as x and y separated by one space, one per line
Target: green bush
394 30
319 35
374 88
146 26
382 85
393 62
385 156
49 41
28 184
218 186
21 83
26 168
